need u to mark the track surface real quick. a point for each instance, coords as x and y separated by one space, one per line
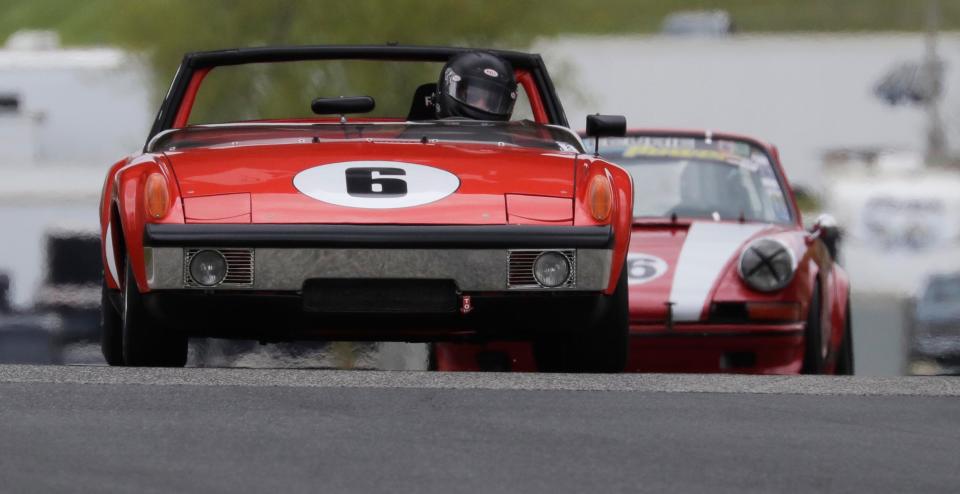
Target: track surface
69 429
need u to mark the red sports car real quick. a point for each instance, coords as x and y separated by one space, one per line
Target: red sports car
722 275
403 226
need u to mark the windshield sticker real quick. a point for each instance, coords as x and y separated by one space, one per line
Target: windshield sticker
723 150
702 154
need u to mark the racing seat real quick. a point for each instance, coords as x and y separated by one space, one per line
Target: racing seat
422 107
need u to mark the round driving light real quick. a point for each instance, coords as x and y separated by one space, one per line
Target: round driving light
767 265
208 267
551 269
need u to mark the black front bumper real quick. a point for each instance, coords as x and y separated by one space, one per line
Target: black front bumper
378 236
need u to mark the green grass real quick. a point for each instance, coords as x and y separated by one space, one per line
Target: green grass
155 22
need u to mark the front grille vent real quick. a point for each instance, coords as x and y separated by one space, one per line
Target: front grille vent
520 268
239 267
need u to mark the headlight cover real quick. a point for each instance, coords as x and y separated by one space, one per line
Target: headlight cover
551 269
767 265
208 268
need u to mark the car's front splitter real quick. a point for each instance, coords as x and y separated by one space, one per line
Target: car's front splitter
707 348
687 348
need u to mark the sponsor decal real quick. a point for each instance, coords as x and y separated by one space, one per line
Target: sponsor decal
644 268
702 154
376 184
490 72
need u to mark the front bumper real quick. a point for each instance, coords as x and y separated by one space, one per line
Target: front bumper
283 257
687 348
330 281
706 348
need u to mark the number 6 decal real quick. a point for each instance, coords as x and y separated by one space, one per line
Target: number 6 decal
367 182
642 268
376 184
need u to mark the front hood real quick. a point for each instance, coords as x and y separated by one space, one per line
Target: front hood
366 182
681 264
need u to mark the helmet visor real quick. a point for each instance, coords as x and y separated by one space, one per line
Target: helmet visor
487 95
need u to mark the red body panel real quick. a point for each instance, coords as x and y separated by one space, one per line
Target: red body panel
220 208
527 209
266 173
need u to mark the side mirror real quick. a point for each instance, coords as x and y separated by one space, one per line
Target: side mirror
828 231
343 105
605 126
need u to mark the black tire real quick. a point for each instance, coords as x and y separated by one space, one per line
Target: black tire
601 348
845 356
813 336
111 329
145 344
432 356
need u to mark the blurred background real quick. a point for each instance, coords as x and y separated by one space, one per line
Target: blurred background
861 96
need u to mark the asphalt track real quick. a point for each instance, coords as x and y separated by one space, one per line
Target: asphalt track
79 429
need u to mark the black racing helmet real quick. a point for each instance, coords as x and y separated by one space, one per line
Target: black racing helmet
476 85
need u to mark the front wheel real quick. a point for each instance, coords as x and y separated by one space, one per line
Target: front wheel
812 336
145 343
111 329
845 356
601 347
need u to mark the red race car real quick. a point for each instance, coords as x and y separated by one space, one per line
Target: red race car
723 277
447 220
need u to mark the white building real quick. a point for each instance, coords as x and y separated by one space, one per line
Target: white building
66 114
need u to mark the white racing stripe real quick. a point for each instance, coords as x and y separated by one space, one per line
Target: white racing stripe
706 250
111 262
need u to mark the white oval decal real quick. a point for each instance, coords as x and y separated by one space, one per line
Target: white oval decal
642 268
376 184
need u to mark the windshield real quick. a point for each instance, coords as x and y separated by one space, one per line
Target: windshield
693 178
943 289
514 134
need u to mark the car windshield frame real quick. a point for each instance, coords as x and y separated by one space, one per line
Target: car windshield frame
194 67
516 134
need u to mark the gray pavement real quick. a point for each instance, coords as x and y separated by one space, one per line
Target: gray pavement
70 429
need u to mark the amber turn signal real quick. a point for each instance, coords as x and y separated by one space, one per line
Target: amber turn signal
600 197
156 195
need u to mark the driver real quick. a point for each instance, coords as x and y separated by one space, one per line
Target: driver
476 85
